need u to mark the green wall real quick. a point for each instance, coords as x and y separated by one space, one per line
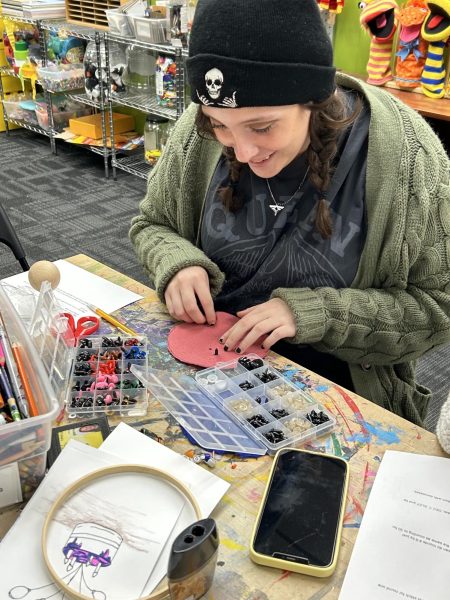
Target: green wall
351 42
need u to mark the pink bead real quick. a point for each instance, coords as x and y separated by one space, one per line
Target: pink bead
101 377
113 378
92 388
111 386
108 399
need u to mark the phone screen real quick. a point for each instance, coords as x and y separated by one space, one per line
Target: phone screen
299 520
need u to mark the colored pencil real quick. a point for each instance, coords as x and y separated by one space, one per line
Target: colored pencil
24 379
107 317
7 358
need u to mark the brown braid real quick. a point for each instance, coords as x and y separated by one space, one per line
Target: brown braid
326 123
230 198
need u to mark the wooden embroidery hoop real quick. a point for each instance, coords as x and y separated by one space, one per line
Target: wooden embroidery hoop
82 483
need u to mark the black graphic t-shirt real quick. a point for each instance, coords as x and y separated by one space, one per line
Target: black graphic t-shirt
259 251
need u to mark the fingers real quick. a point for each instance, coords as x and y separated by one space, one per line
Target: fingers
277 335
263 324
188 294
246 333
190 305
206 302
175 307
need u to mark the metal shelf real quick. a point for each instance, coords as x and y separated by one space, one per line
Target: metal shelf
20 19
97 149
8 71
29 126
84 99
145 103
164 48
134 164
79 31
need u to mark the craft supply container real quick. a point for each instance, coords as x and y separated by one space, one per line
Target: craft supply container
266 404
60 78
24 444
101 380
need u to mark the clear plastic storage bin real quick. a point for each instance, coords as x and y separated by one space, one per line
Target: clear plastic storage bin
60 78
20 107
61 118
24 444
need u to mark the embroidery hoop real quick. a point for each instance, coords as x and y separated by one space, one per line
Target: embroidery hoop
82 483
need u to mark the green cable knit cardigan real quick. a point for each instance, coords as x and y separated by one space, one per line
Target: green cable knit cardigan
398 306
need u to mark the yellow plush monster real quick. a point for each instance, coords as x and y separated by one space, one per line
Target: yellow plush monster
436 30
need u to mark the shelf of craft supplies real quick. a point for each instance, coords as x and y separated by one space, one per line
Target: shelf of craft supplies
134 164
132 99
127 397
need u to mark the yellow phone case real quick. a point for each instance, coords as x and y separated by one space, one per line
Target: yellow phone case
279 563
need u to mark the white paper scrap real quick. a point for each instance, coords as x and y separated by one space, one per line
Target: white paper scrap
82 284
402 551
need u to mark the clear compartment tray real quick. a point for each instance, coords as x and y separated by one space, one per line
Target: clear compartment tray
101 379
266 404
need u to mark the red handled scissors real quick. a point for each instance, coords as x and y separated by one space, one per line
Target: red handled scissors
83 327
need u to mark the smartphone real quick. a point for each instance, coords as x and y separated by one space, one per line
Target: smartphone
299 524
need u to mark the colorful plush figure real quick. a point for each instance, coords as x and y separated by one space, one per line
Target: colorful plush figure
380 19
412 48
436 30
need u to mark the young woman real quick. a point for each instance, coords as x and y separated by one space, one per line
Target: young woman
314 207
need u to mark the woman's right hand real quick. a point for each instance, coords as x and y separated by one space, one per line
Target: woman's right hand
188 294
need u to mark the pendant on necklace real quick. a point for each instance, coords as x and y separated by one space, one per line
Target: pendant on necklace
276 208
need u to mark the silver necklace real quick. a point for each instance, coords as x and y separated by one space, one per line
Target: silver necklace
278 206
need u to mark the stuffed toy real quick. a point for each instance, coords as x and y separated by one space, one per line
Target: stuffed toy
436 30
380 19
412 48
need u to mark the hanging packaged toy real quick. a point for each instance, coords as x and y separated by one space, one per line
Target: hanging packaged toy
412 48
166 69
380 19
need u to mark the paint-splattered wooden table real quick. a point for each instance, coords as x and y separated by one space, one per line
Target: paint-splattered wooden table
364 432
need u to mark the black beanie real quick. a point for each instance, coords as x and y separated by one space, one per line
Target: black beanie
259 53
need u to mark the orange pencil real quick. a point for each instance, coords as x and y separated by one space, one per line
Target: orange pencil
24 379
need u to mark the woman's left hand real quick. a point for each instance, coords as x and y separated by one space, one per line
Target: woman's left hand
273 319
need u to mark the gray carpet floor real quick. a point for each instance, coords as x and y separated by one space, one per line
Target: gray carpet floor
62 205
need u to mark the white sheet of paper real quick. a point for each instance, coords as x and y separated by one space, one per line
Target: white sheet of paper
86 286
75 461
207 488
126 445
132 526
403 546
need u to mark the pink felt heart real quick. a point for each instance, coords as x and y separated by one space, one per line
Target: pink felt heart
195 344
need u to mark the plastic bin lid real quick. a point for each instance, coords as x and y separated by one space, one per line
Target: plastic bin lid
28 104
198 413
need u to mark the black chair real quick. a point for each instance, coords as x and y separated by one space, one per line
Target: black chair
9 237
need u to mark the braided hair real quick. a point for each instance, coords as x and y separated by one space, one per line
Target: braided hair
328 119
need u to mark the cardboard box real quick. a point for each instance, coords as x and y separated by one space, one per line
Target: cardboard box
91 126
